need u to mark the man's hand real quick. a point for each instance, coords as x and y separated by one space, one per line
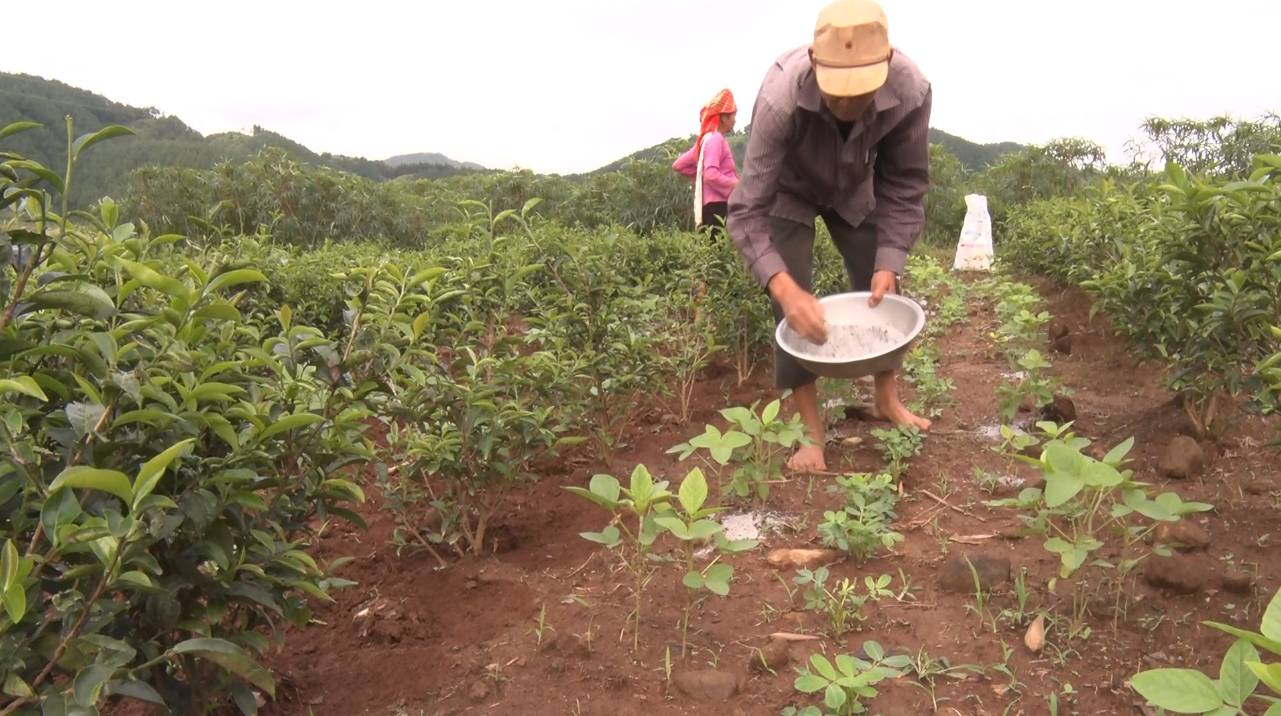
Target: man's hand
883 282
803 312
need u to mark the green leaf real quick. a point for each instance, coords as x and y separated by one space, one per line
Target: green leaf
609 536
219 312
152 471
834 697
693 580
693 492
230 657
1236 681
86 300
770 412
291 422
810 683
1116 454
25 385
84 417
14 600
9 130
110 481
89 683
824 667
1061 488
1270 625
88 140
13 684
41 171
1269 674
234 278
140 690
1183 691
151 279
717 578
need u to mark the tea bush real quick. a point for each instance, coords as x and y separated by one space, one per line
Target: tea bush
1185 268
168 461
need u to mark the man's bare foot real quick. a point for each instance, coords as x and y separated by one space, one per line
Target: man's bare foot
896 413
808 458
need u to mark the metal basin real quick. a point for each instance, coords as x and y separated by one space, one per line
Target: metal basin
875 340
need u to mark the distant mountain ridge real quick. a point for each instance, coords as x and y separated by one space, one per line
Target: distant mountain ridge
162 140
974 156
431 158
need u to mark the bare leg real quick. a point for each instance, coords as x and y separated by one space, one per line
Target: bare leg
889 407
809 458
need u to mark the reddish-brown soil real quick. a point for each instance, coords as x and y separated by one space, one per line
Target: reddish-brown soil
460 639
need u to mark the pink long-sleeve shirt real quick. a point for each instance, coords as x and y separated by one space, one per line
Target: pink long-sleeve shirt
719 175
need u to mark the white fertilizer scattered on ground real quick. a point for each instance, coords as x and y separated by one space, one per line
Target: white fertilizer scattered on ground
853 342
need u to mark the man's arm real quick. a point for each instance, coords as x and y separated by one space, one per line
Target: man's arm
902 178
752 199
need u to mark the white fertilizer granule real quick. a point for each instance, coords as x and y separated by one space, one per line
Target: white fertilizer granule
852 342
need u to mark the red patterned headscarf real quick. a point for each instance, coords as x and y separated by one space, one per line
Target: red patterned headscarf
709 117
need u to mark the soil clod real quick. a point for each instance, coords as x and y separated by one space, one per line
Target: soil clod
956 577
1184 536
706 685
1177 574
773 657
1238 581
1183 459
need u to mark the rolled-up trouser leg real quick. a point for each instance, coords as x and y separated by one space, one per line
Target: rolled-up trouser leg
794 242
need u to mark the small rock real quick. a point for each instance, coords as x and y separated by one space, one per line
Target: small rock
309 649
556 666
1176 574
706 685
1183 535
1062 345
1258 487
774 657
1061 410
802 558
469 585
479 691
551 642
389 630
1183 458
1056 329
853 441
1238 581
955 576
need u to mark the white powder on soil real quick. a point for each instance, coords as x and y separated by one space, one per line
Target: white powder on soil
852 342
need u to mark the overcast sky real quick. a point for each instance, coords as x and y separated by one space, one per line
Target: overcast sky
569 85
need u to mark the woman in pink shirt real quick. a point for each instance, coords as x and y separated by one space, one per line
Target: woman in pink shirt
714 176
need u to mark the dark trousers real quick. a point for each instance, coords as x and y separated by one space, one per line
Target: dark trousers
714 217
795 243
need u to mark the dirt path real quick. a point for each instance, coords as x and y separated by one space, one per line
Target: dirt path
413 640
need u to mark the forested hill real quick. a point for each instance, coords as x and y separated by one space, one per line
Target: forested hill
160 140
975 157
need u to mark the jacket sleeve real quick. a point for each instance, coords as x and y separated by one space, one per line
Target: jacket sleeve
902 178
685 163
750 203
